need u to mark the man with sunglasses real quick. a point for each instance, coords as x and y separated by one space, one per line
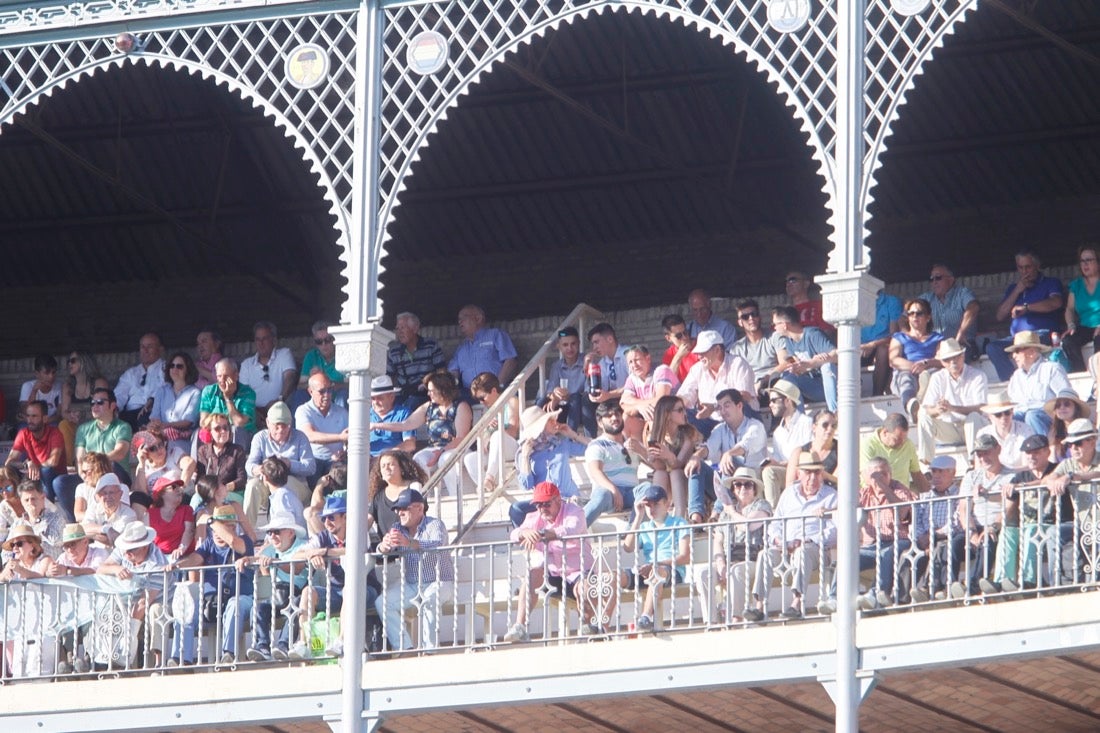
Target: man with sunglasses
270 372
755 347
954 309
680 356
104 433
613 472
322 359
325 425
1077 476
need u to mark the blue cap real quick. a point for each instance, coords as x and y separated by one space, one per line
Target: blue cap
653 493
409 496
335 504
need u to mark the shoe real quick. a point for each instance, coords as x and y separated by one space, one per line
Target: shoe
884 599
82 665
941 595
754 615
300 651
792 612
1009 585
919 595
64 668
228 658
172 663
258 654
958 590
826 607
280 654
867 601
517 634
335 649
989 586
912 407
592 630
645 623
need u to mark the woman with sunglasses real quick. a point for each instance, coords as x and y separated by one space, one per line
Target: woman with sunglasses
670 440
28 559
1063 409
822 447
155 459
1083 308
913 355
176 403
76 395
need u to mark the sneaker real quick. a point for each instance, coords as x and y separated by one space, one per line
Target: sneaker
958 590
591 630
826 606
82 665
941 595
919 595
258 654
173 662
792 612
335 649
645 623
64 668
989 586
884 599
228 658
868 601
1009 585
912 407
280 654
517 634
300 651
754 615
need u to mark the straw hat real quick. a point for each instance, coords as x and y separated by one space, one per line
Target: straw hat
949 349
284 520
1027 340
998 402
1078 430
533 421
21 531
1067 394
73 533
744 473
134 535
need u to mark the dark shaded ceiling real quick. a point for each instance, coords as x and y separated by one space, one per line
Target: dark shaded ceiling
620 160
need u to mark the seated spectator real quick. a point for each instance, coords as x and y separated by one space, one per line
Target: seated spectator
951 409
954 309
275 473
173 520
497 446
663 542
92 467
1075 476
80 557
285 537
176 403
270 372
610 355
739 441
39 448
980 513
226 591
1034 303
332 482
792 428
321 359
448 420
107 516
104 433
810 311
1063 409
45 519
229 397
1035 381
384 408
213 494
208 352
137 558
1009 434
1083 309
392 473
731 582
546 446
612 471
757 348
875 339
559 558
410 358
221 459
670 442
139 384
564 388
937 530
703 318
679 356
913 355
805 356
29 559
891 441
482 350
643 388
822 446
805 534
427 574
283 442
718 370
325 425
44 387
11 508
76 397
155 458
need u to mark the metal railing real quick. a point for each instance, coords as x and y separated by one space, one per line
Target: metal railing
579 317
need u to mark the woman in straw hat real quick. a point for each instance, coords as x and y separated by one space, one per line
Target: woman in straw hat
1063 408
546 445
28 558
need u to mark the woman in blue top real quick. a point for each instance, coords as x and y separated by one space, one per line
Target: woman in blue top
913 354
1083 309
545 448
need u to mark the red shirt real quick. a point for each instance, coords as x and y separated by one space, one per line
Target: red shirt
685 364
809 313
170 533
38 451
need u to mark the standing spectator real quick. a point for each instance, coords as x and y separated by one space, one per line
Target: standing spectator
270 372
208 352
936 529
663 541
980 514
39 449
322 358
805 356
564 388
410 358
1033 302
176 403
44 387
913 355
228 396
139 384
384 408
703 318
875 339
810 312
1083 309
952 404
954 309
679 356
891 441
104 433
325 425
482 350
1035 381
280 440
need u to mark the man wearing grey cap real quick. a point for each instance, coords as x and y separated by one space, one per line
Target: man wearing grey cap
980 513
280 440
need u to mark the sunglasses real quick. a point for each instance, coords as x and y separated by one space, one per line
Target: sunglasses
99 402
750 314
143 378
219 428
273 532
915 313
827 425
73 360
744 485
177 365
542 504
794 279
325 340
153 446
626 457
935 278
267 373
19 543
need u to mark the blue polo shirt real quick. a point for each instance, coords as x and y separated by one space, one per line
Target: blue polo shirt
485 352
383 440
1043 288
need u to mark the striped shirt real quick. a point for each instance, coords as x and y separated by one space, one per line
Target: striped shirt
408 368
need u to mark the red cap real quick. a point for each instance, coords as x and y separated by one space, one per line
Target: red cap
545 491
163 483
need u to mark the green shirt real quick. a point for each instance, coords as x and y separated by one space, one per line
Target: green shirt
314 360
903 459
245 401
94 439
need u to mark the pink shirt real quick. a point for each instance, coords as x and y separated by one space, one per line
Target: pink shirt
566 557
644 389
208 364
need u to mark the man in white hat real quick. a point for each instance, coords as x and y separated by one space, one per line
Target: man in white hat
385 408
1009 433
793 428
951 411
136 558
1035 380
284 538
1077 476
717 370
107 517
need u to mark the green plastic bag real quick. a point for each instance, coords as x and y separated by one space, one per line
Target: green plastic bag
324 634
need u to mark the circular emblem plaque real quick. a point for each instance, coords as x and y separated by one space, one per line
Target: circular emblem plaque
909 7
427 52
788 16
307 66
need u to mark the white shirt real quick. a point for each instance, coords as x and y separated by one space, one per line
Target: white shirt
793 503
131 393
271 389
1011 455
785 438
750 435
51 398
969 389
1031 389
701 386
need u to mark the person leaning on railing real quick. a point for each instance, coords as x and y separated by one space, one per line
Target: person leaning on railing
285 537
982 514
1078 476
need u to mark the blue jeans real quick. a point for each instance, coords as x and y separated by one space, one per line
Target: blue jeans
601 501
519 511
816 387
235 610
882 556
1037 419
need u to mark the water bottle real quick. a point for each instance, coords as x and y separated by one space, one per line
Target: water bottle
593 381
1057 355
